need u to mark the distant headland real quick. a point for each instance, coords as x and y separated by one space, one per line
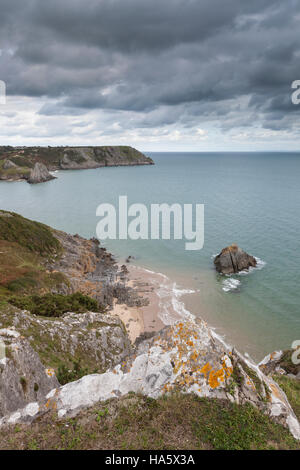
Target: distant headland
34 164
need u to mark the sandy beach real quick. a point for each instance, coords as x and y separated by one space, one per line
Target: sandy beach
161 310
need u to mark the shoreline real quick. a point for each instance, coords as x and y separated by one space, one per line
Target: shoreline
168 301
164 307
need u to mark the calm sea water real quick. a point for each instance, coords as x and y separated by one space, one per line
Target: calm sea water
252 199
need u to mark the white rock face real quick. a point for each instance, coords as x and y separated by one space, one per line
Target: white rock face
187 356
40 174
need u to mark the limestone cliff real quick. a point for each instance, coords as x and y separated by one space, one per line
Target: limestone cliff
20 163
187 357
39 174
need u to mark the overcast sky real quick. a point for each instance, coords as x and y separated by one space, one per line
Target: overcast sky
154 74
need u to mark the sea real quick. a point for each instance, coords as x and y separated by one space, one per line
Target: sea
252 199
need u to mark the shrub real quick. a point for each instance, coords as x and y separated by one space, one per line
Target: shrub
66 375
55 305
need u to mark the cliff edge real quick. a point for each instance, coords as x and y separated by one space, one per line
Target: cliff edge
19 163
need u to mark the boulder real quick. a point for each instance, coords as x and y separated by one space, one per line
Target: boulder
233 259
40 174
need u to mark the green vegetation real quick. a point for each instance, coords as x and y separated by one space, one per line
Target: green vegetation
25 247
174 422
291 387
34 236
287 364
65 374
55 305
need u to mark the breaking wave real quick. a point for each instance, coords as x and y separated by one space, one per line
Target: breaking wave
231 283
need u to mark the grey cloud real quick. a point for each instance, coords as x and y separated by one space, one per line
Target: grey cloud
161 61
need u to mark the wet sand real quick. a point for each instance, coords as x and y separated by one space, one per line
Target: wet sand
158 313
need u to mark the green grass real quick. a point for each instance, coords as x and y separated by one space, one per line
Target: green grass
33 236
291 387
174 422
55 305
25 246
67 374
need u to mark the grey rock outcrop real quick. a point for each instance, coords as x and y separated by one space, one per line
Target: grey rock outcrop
233 259
7 165
99 340
40 174
187 357
76 158
23 378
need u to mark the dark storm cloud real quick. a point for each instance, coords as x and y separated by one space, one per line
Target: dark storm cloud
161 56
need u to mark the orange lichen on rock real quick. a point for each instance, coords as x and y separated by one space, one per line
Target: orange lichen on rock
206 369
227 369
216 377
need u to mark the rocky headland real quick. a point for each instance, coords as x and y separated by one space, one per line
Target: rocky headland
33 164
68 366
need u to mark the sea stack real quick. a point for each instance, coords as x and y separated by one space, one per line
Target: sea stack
40 174
233 259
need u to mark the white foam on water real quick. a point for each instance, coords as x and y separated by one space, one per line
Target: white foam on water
230 284
170 305
260 265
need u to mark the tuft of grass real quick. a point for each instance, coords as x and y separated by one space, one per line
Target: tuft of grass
77 371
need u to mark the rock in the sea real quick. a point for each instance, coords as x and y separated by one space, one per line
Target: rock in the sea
23 378
233 259
40 174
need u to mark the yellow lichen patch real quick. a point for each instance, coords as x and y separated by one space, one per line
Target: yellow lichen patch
206 369
216 377
50 372
227 369
47 404
194 356
250 383
276 392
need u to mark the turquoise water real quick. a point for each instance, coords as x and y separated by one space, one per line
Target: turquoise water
252 199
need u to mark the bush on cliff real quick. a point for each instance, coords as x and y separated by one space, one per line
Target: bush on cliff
66 374
55 305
